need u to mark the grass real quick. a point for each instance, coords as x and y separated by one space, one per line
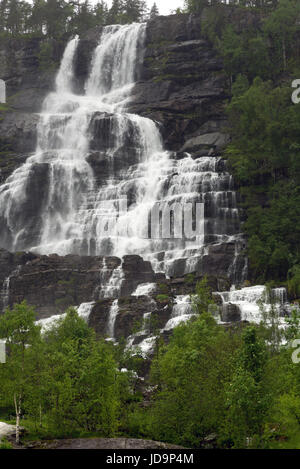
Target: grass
4 444
162 298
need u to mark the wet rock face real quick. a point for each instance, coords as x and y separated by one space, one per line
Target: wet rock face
53 283
182 85
27 85
230 313
27 79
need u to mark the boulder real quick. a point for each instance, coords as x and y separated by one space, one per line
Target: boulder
230 313
212 142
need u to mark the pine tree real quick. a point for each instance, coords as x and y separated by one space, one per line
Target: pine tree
154 11
37 18
3 15
115 14
135 10
14 19
101 13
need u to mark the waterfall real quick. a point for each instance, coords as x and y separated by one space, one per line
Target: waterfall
144 289
84 310
114 61
64 79
182 312
110 286
5 294
6 289
55 203
251 300
113 313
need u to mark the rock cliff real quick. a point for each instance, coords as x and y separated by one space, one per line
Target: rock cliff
181 86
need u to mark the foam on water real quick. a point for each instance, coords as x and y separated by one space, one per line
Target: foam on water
72 211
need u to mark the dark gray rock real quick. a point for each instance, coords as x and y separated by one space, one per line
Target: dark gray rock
214 141
230 313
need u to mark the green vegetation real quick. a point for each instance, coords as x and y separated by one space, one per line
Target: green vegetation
238 385
4 444
55 18
64 382
163 298
261 61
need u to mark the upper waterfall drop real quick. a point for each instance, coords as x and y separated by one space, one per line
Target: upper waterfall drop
65 76
114 60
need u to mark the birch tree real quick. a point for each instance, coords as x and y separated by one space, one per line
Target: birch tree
18 327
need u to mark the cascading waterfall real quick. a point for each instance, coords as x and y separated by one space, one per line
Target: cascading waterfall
113 313
112 287
6 289
144 289
182 312
84 311
252 301
5 293
55 204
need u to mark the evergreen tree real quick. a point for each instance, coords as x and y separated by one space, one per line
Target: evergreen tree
58 13
154 11
248 400
3 15
37 18
134 10
14 17
195 6
101 13
281 26
115 14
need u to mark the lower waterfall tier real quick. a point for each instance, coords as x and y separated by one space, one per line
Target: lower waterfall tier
116 295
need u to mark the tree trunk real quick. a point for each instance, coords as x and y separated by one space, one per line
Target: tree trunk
40 415
284 54
18 416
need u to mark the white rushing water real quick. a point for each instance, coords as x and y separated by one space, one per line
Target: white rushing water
73 211
144 289
253 301
110 282
4 294
182 312
113 313
84 311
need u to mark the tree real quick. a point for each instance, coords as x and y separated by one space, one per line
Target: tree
190 374
233 53
134 10
17 326
37 18
84 18
57 16
115 14
3 15
82 381
247 398
14 17
195 6
101 13
154 11
202 299
281 26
